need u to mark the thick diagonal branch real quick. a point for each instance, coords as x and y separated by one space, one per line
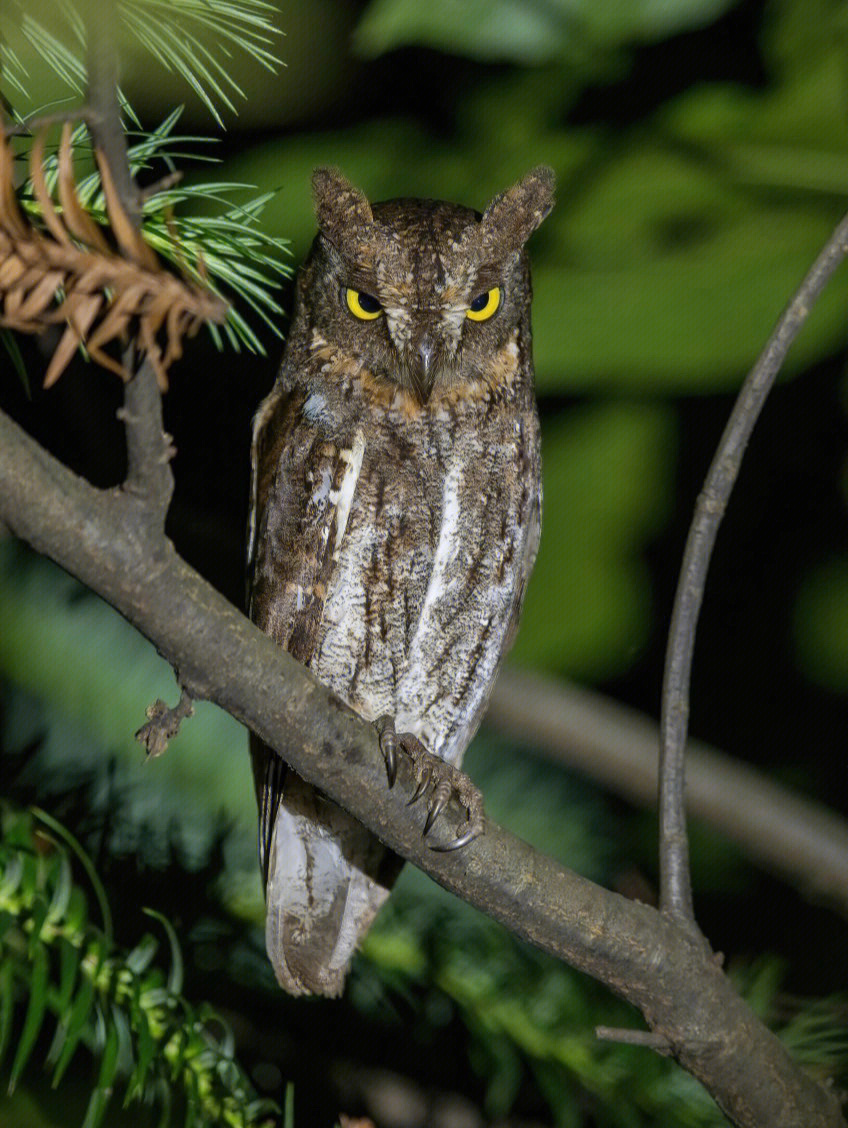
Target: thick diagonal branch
645 956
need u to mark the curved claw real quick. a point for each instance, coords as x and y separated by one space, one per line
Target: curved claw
431 771
463 840
421 787
390 753
440 801
388 745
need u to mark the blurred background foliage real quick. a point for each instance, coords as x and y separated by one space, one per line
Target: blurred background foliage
701 150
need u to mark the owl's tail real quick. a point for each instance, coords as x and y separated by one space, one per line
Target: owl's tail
326 878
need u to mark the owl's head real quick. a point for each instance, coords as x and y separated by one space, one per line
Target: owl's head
422 293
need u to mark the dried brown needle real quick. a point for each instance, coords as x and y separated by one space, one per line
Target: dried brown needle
68 273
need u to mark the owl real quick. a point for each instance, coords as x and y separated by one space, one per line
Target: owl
394 523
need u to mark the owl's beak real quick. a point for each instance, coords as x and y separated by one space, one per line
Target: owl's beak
424 368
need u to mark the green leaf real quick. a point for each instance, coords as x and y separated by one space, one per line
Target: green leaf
69 960
30 878
75 1026
288 1108
76 914
13 873
62 888
38 916
140 957
88 866
34 1015
102 1092
175 975
145 1051
673 278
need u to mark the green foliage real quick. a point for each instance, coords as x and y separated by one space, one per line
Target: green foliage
90 706
514 31
118 1004
213 238
228 249
675 242
194 38
177 33
605 493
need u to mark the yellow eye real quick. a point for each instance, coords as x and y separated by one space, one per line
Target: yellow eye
482 308
362 305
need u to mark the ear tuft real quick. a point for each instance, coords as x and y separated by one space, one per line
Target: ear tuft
513 216
343 212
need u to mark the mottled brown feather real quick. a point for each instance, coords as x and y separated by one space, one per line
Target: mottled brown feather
394 521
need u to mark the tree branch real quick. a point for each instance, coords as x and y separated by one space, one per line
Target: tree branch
103 115
675 883
797 839
149 449
664 969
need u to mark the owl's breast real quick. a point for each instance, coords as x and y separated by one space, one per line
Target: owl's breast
379 581
429 572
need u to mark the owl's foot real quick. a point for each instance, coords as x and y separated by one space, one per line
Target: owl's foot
435 775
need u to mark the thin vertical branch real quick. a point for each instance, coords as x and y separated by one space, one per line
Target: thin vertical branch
675 884
104 111
149 449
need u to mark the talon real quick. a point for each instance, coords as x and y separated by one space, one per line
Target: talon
420 788
462 840
391 764
437 805
429 770
387 736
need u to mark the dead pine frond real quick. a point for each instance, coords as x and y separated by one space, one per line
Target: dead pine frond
69 274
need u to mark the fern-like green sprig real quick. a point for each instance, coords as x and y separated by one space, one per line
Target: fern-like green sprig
127 1010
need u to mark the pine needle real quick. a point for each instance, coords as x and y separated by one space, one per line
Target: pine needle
192 38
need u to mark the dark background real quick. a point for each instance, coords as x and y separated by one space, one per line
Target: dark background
702 162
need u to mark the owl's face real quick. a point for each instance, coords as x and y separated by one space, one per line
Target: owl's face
421 293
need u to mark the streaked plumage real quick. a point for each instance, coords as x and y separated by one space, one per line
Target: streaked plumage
395 518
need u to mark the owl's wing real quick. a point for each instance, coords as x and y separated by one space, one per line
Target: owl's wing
325 874
301 490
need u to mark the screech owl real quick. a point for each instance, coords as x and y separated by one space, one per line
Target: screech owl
394 522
